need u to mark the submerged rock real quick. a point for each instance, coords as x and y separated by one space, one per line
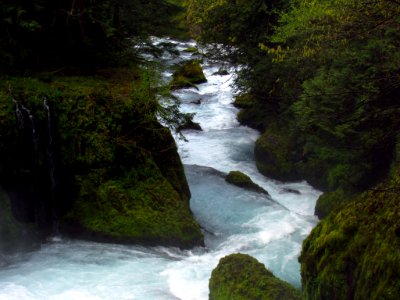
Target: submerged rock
292 191
242 277
197 101
242 180
193 50
188 75
221 72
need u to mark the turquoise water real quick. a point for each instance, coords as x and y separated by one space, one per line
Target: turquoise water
234 220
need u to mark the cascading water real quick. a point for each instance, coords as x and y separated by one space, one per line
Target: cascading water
20 111
235 220
51 164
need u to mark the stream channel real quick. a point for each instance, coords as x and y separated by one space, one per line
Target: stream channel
235 220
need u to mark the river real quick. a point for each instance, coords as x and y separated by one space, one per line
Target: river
235 220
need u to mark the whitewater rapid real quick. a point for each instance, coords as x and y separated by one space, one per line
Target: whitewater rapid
234 220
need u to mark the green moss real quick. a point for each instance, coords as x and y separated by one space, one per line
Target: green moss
221 72
330 201
119 176
192 50
140 207
244 101
189 124
354 252
274 155
279 154
14 235
188 75
242 180
242 277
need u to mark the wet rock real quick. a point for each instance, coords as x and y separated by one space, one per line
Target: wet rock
221 72
189 124
240 276
197 101
188 75
242 180
289 190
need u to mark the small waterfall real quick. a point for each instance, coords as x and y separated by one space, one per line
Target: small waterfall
51 164
236 220
50 153
20 111
19 115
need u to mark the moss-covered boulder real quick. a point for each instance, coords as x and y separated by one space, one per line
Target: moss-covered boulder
244 101
141 206
330 201
244 181
242 277
252 112
192 50
188 74
90 152
274 155
354 252
279 154
221 72
188 123
14 236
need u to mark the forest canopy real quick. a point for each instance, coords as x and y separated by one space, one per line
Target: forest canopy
326 71
56 33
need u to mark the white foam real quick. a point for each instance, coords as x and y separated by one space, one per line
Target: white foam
236 220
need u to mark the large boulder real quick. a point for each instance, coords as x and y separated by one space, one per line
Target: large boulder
242 277
188 74
274 155
279 155
89 154
14 236
330 201
354 252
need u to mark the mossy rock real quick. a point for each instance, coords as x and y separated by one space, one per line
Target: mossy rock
244 181
274 156
161 144
252 112
244 101
354 252
192 50
188 74
330 201
140 207
14 235
221 72
242 277
188 123
105 144
252 117
279 155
